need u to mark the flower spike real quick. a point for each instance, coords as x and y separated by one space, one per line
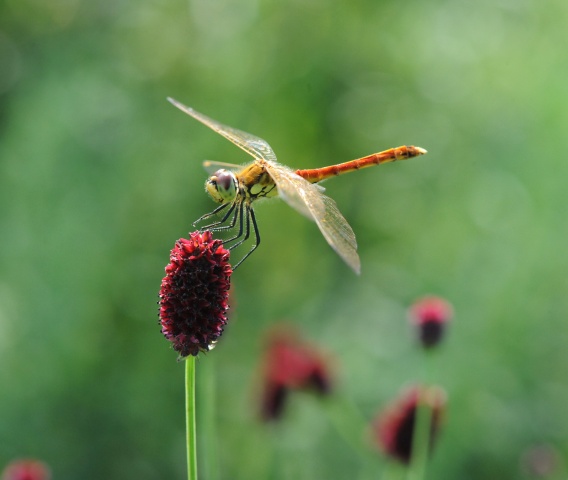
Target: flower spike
194 294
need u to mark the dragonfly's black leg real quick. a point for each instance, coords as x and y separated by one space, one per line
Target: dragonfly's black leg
240 232
250 213
255 228
218 226
214 212
247 231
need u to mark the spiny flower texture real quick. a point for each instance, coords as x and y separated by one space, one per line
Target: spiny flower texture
431 315
291 364
394 428
26 469
194 293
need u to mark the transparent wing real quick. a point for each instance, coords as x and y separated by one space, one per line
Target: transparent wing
254 146
308 199
211 166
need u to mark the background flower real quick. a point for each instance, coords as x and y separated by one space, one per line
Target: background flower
394 427
430 316
26 469
291 363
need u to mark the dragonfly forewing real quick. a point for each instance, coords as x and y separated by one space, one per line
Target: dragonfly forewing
253 145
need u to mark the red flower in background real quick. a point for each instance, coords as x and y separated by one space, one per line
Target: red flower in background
394 428
26 469
291 364
194 294
430 315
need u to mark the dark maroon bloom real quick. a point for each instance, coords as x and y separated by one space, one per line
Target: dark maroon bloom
194 294
430 315
291 364
394 428
26 469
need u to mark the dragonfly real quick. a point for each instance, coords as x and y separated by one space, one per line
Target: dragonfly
236 188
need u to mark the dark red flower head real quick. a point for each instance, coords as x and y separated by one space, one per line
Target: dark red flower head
291 364
26 469
194 294
430 315
393 429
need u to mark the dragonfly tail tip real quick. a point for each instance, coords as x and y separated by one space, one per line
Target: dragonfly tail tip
421 151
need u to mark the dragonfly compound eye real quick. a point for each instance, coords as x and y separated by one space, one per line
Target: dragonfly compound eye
222 186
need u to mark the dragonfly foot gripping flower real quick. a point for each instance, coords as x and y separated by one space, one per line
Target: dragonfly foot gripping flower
194 294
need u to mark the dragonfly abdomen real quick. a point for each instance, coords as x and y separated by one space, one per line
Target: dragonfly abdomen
392 154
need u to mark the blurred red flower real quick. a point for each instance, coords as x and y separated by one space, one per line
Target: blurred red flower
430 315
194 294
26 469
291 363
393 429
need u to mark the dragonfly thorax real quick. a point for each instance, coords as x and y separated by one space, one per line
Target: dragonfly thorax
222 186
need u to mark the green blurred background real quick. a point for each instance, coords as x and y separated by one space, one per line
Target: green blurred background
99 175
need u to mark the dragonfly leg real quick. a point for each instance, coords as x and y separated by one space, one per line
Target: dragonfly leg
255 228
239 234
250 214
218 226
214 212
247 231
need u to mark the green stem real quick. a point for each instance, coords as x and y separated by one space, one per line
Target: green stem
422 421
190 418
421 438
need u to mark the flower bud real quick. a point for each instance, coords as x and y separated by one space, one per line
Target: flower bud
430 316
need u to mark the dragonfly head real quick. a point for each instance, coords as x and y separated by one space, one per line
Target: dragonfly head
222 186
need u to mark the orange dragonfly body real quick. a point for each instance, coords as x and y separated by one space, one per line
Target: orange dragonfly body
235 188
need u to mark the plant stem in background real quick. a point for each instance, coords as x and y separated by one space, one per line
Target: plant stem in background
190 418
420 437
